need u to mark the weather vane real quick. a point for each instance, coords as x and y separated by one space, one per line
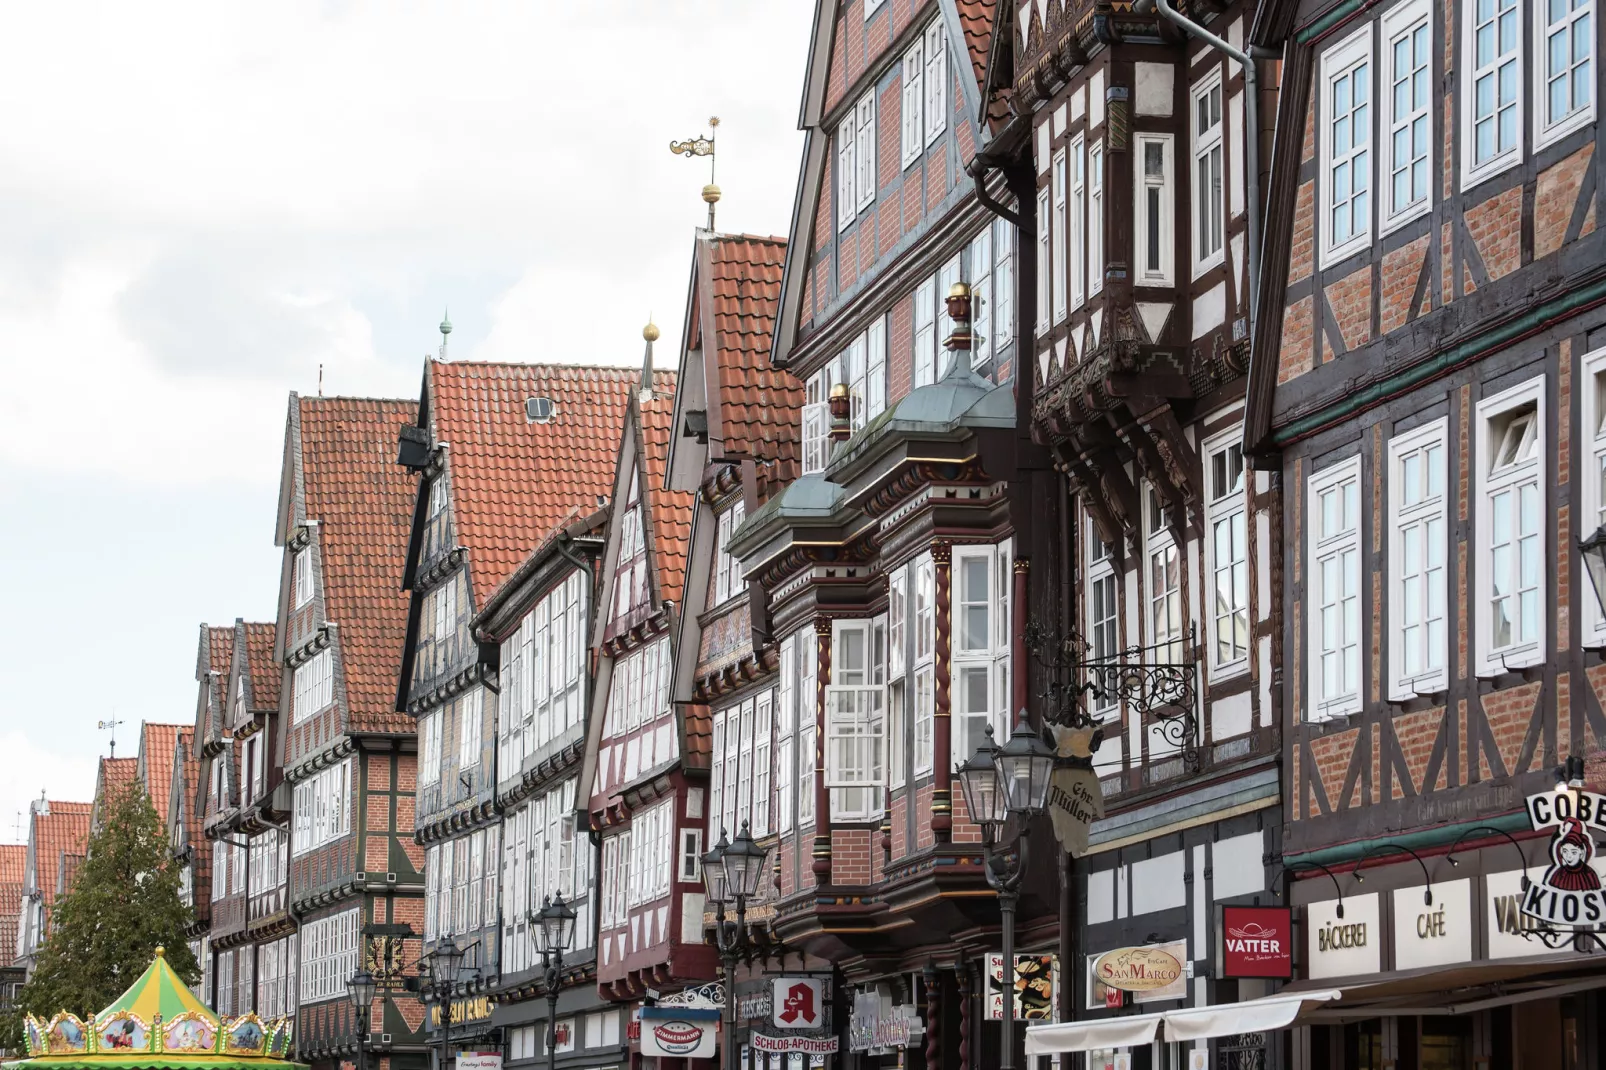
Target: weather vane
702 146
112 727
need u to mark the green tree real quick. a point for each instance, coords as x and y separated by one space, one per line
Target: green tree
123 904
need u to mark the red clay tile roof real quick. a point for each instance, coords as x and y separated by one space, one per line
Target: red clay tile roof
156 745
220 643
668 510
363 502
265 673
756 410
512 480
116 773
13 870
64 830
976 19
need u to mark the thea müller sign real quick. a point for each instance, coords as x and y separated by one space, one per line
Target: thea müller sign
1569 892
1075 801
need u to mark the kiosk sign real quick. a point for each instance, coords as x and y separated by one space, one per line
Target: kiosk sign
1569 892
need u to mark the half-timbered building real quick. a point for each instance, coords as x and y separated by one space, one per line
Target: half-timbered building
209 740
1428 384
185 843
504 454
352 875
57 832
646 760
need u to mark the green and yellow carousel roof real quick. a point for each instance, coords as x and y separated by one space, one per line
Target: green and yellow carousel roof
157 1024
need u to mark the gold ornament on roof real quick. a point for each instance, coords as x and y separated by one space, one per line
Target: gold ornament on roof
702 146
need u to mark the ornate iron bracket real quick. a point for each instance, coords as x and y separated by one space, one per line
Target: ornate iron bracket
1160 679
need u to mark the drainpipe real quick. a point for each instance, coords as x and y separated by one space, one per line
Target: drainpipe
1251 141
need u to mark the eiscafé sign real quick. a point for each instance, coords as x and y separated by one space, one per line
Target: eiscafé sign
1138 969
1257 942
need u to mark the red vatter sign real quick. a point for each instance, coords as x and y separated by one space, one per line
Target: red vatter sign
1257 942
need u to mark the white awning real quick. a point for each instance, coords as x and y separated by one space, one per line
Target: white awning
1250 1016
1123 1032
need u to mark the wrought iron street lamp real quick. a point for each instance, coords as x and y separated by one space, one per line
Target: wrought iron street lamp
361 990
732 873
445 963
554 932
1593 551
1001 783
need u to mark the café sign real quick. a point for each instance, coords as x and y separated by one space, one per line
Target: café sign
1139 969
1436 930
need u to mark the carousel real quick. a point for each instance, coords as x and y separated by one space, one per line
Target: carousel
157 1024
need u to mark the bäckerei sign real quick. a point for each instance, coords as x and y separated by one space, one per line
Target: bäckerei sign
1569 893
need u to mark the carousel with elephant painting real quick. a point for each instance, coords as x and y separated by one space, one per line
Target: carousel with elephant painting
157 1024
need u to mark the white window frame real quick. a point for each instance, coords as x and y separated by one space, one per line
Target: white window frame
922 622
807 667
992 656
1404 21
1352 59
1525 651
871 7
1422 515
847 205
1164 273
1095 218
1225 509
855 723
1592 514
913 94
925 331
1103 629
1044 233
470 730
429 747
1474 170
1321 548
1208 150
936 80
1076 236
728 569
1547 131
312 685
864 152
1058 263
817 421
301 577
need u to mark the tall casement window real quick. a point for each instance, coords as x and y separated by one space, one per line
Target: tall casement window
1077 233
936 80
1209 186
1334 595
913 128
739 783
1346 147
1045 229
862 367
470 719
313 684
1163 576
923 624
322 808
855 709
329 954
429 747
1407 77
1564 35
630 563
539 860
1103 620
1154 245
981 626
897 686
816 421
301 573
1491 88
855 154
1418 648
638 697
1095 218
1593 483
1061 181
930 359
728 569
1226 514
992 288
910 644
1510 505
795 717
543 672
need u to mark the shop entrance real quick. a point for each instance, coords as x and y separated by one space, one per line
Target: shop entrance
1551 1034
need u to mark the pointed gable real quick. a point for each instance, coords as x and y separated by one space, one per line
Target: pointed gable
363 503
157 743
668 511
264 672
212 666
512 479
13 871
60 832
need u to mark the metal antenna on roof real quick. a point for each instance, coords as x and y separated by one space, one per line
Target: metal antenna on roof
320 378
112 727
702 146
446 329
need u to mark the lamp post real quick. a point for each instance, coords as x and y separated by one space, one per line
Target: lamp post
446 961
361 989
554 929
732 872
1000 783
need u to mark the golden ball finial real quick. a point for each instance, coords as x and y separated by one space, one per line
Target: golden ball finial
840 390
161 952
959 289
711 193
650 332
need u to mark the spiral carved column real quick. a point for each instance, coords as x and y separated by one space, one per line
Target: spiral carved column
822 795
942 819
934 1011
963 976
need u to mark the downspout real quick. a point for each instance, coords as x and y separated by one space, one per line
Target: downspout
1251 140
984 162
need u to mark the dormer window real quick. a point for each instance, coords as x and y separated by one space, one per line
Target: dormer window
728 569
630 573
239 700
437 496
301 579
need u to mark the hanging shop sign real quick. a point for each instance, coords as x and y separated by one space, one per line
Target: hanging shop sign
479 1060
1436 932
1152 972
1344 946
1569 893
797 1003
754 1005
1509 929
1036 984
812 1045
1075 799
1257 942
876 1024
678 1032
474 1009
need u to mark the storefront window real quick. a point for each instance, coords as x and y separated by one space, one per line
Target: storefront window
1363 1045
1446 1043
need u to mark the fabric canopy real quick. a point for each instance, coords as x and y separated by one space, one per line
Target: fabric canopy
1250 1016
1123 1032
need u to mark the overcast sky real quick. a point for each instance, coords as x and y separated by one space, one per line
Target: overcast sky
201 204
